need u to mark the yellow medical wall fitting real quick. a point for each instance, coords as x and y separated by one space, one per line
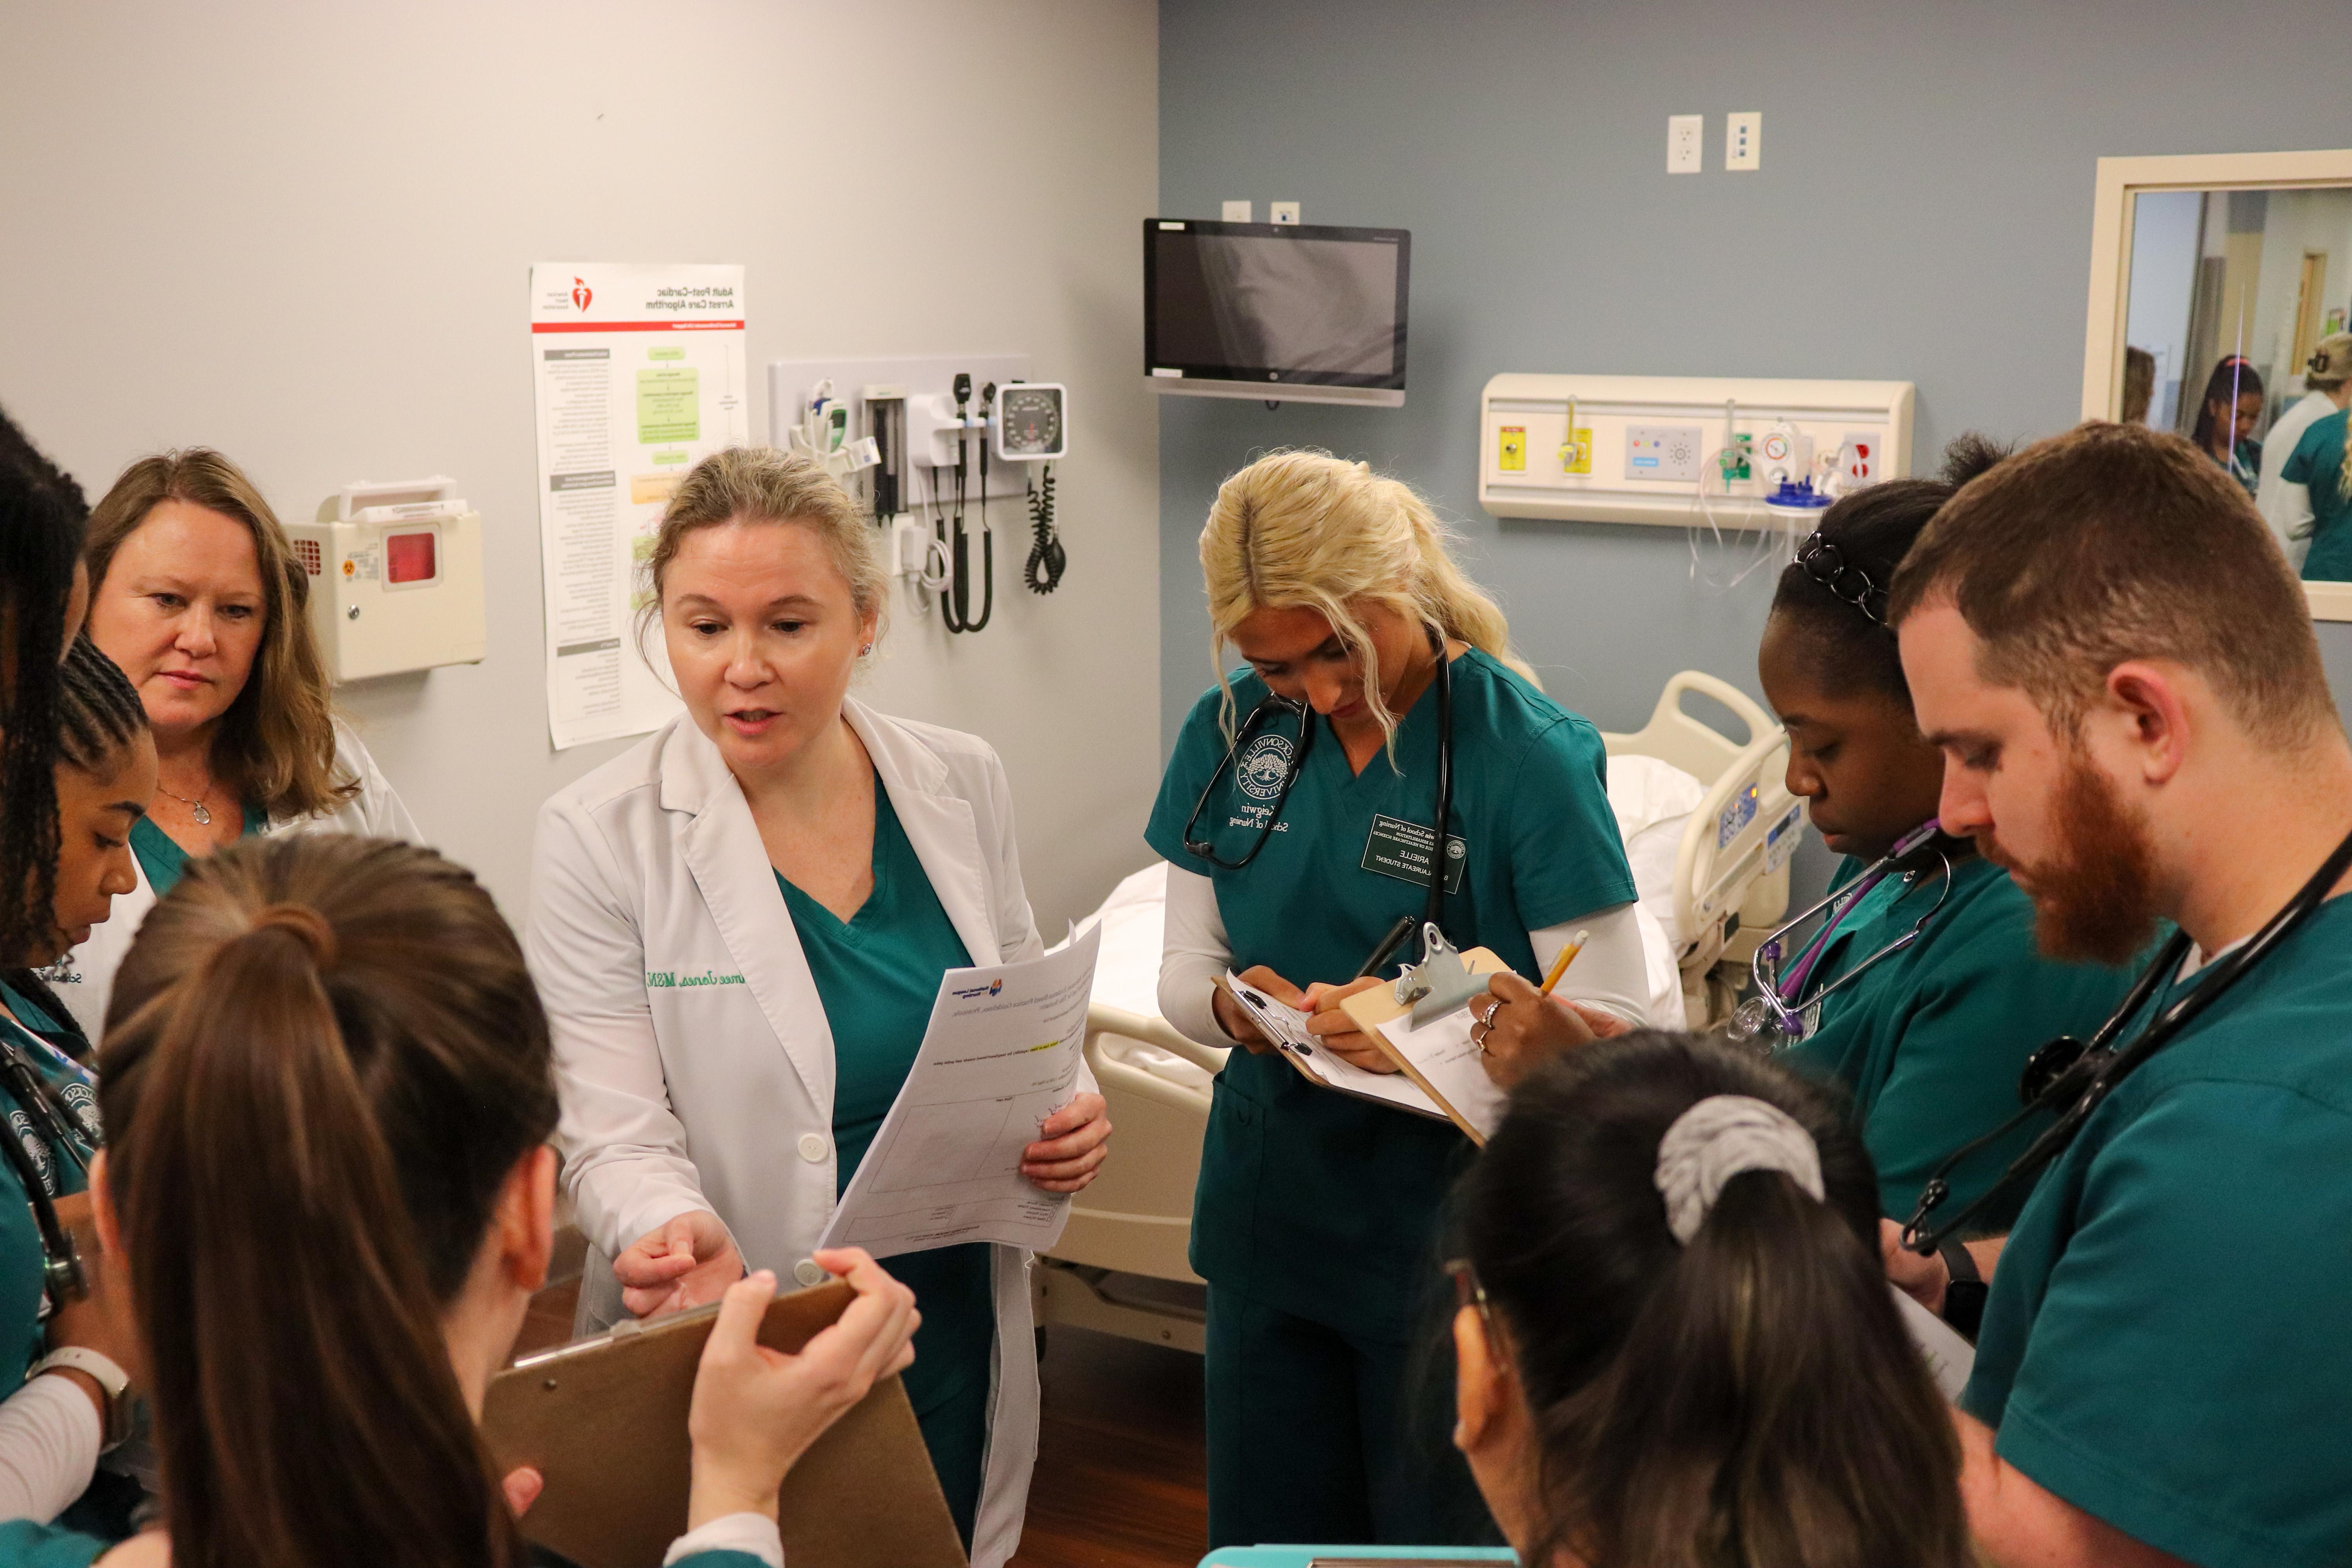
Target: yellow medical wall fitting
1681 450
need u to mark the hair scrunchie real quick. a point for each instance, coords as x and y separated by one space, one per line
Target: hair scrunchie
1723 1136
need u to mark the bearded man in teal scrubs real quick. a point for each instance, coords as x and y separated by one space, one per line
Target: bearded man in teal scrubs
2120 670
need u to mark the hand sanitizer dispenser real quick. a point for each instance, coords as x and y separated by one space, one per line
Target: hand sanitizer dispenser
395 577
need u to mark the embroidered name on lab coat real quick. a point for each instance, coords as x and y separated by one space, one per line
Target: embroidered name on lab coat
670 979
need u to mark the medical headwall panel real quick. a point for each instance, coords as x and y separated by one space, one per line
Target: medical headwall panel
1680 450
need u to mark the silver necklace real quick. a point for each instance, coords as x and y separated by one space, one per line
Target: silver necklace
197 808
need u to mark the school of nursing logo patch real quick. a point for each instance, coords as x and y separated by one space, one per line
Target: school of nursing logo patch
1263 766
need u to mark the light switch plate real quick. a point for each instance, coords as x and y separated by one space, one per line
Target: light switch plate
1282 212
1239 212
1743 140
1685 133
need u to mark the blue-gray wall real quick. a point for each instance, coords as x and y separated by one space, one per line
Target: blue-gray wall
1922 214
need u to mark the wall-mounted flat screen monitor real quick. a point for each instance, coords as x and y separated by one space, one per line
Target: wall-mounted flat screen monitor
1289 312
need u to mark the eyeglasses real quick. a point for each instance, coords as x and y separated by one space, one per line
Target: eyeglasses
1468 1292
1259 775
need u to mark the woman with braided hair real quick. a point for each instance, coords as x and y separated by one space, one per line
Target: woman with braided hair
1922 993
58 1343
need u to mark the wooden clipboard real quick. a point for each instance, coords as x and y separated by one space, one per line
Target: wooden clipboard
603 1421
1379 1006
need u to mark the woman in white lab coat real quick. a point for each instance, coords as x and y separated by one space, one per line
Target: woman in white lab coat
2284 505
196 594
738 928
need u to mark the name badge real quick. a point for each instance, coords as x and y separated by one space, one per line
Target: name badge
1401 849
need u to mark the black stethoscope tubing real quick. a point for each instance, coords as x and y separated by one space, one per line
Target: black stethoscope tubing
61 1270
1434 905
2074 1080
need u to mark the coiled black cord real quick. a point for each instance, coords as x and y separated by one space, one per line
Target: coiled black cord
1048 558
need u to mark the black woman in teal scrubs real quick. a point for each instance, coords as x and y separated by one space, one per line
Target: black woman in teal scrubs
1296 816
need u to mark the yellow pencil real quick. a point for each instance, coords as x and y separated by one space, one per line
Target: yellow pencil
1566 956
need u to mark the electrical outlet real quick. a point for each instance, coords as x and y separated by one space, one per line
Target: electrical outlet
1684 135
1282 212
1239 212
1743 140
1668 452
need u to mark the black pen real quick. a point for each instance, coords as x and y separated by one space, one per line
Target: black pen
1397 936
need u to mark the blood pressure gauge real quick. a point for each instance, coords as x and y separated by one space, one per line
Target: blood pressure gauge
1027 421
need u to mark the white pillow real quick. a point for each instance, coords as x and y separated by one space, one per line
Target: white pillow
1653 800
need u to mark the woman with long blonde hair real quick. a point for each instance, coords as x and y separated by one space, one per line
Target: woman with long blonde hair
196 593
1300 818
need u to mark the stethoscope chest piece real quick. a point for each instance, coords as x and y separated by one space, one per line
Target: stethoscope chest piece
1754 1026
2045 1067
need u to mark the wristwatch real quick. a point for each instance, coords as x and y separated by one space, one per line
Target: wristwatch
111 1379
1964 1297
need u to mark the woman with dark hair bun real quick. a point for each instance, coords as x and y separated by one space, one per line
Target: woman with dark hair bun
1921 992
1675 1346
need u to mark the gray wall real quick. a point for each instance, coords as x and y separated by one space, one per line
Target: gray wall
1923 213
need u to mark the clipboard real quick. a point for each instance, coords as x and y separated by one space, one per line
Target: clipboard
603 1421
1342 1077
1378 1005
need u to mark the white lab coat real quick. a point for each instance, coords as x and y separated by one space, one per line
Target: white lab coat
85 979
715 1090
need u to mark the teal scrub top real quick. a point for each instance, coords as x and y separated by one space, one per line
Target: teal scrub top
1312 1201
2318 463
164 862
877 976
61 1171
1930 1040
2164 1346
24 1545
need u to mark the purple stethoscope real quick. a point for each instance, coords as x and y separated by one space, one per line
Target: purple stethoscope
1775 1008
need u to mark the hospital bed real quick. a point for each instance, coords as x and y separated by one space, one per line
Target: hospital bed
1708 825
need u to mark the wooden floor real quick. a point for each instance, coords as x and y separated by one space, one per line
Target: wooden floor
1122 1479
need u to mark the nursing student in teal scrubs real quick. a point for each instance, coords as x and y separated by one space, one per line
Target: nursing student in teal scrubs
59 1421
2123 675
1293 848
2319 464
1925 993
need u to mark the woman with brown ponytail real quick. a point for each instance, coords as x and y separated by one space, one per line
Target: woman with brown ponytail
329 1049
1676 1342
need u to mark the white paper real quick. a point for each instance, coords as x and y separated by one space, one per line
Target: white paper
1001 1055
639 375
1950 1359
1286 1026
1440 1051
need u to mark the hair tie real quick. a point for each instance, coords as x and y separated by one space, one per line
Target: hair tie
1825 563
306 924
1723 1136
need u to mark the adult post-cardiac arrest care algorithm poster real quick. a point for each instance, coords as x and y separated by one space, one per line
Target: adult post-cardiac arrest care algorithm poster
639 373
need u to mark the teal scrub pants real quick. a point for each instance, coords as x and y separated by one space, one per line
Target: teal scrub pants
1319 1436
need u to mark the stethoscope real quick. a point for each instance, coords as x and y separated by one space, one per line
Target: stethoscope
1780 1005
67 1128
2074 1080
1268 712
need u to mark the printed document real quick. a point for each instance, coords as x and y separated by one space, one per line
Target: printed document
1440 1057
1002 1054
1950 1359
639 375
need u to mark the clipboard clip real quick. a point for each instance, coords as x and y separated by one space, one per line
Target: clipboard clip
1439 984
